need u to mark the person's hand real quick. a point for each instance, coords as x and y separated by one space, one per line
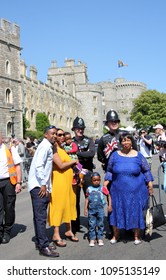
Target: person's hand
42 192
18 188
150 188
105 184
85 212
109 208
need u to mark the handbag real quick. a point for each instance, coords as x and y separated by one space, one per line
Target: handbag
157 213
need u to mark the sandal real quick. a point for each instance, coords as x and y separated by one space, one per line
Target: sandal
72 238
59 243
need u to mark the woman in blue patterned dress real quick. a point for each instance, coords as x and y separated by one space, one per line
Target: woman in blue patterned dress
131 181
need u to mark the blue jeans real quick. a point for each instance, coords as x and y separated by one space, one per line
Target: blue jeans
39 206
96 219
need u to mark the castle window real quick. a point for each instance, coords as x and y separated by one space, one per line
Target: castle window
8 96
95 124
7 67
94 98
63 82
32 115
68 122
49 116
95 112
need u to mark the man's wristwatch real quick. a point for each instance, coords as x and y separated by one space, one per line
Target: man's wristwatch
20 183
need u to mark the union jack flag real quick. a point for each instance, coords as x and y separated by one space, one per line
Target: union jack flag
110 147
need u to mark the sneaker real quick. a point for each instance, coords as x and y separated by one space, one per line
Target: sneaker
114 241
100 242
137 241
92 243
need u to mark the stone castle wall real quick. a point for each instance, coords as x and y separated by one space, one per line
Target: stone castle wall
65 95
10 90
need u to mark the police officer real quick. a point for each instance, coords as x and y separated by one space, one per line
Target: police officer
86 152
109 142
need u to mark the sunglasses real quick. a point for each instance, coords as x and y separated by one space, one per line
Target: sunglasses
60 134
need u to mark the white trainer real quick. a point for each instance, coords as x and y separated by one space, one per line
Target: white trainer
113 241
100 242
92 243
137 241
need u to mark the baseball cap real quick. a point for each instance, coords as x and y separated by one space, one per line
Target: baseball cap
158 126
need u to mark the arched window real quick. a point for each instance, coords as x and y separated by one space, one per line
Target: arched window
68 122
8 96
95 112
49 115
7 67
96 124
32 115
60 120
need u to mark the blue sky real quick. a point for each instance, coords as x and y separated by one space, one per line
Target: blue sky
98 33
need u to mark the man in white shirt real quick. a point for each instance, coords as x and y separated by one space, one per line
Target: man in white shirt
10 185
145 144
39 186
160 133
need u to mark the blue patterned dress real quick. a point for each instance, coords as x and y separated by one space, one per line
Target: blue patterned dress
128 190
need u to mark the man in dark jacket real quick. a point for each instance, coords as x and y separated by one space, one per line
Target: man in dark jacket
109 142
86 152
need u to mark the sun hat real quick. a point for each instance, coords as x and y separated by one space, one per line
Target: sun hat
158 126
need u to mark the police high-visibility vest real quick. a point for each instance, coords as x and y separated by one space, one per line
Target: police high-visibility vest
11 167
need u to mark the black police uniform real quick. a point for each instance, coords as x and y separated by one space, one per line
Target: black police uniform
108 143
86 152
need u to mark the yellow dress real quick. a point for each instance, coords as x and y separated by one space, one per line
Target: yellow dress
62 206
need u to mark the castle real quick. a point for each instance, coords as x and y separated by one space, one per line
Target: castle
65 95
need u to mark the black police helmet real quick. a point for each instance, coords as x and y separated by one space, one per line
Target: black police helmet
78 123
112 116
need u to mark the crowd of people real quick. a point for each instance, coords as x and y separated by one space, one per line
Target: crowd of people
60 167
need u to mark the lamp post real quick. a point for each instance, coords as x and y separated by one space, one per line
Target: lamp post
12 114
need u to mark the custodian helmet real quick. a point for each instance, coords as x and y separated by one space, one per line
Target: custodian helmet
112 116
78 123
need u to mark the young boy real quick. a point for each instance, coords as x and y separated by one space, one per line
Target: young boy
94 208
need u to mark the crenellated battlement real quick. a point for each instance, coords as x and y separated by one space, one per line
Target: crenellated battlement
10 32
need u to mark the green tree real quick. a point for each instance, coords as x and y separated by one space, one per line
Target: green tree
41 121
149 109
26 124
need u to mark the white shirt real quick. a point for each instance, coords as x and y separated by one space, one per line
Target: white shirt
162 137
4 172
144 150
41 166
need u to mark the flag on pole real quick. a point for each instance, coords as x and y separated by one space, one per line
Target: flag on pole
121 64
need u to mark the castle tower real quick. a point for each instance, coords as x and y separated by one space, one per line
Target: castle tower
10 89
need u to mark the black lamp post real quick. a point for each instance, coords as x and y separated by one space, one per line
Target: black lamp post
12 114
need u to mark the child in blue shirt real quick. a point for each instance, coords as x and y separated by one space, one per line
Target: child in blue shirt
94 208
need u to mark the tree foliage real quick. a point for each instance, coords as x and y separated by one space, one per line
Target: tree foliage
149 109
41 121
26 124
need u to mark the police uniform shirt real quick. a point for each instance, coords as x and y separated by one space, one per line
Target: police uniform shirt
86 151
108 143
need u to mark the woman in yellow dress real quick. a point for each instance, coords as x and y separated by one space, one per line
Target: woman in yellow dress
62 207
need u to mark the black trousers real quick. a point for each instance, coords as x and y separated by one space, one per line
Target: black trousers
39 206
87 183
7 206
